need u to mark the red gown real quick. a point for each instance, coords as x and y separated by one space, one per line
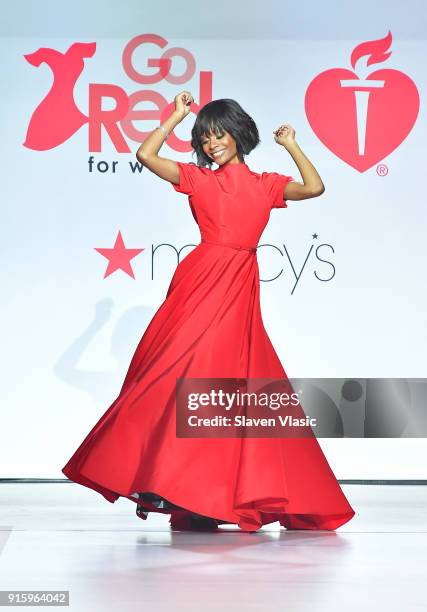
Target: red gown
210 325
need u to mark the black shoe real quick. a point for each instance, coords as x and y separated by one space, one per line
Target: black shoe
193 522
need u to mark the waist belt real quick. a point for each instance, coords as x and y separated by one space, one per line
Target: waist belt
238 247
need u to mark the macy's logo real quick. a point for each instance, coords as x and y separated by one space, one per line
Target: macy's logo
119 258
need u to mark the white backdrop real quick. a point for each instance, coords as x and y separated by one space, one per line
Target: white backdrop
68 333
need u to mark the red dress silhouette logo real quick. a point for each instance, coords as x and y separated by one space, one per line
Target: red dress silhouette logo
363 116
57 117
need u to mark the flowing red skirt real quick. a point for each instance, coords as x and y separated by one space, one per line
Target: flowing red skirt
209 325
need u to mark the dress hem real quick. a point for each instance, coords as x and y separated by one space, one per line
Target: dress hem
250 516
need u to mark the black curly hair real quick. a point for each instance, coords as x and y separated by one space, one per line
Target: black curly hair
219 116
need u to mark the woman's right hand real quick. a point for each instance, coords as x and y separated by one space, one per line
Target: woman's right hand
182 103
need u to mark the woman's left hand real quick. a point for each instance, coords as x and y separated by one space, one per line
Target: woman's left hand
285 134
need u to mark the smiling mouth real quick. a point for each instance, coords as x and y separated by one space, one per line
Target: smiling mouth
218 153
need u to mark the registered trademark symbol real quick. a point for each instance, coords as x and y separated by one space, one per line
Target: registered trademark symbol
382 170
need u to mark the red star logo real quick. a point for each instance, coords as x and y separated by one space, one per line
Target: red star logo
119 257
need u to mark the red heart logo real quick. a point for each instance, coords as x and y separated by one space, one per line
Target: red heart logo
362 124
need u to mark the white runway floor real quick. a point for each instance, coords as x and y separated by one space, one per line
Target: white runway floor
62 536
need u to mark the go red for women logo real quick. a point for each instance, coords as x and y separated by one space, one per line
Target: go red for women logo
363 116
57 117
360 116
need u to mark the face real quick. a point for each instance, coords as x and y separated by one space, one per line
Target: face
221 147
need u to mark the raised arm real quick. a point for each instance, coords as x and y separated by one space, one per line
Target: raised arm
147 153
312 185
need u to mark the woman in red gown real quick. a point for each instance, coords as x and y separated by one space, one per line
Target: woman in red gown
210 325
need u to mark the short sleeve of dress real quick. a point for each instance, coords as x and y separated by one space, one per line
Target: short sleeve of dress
275 184
190 176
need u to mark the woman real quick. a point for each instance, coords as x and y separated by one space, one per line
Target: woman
210 325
